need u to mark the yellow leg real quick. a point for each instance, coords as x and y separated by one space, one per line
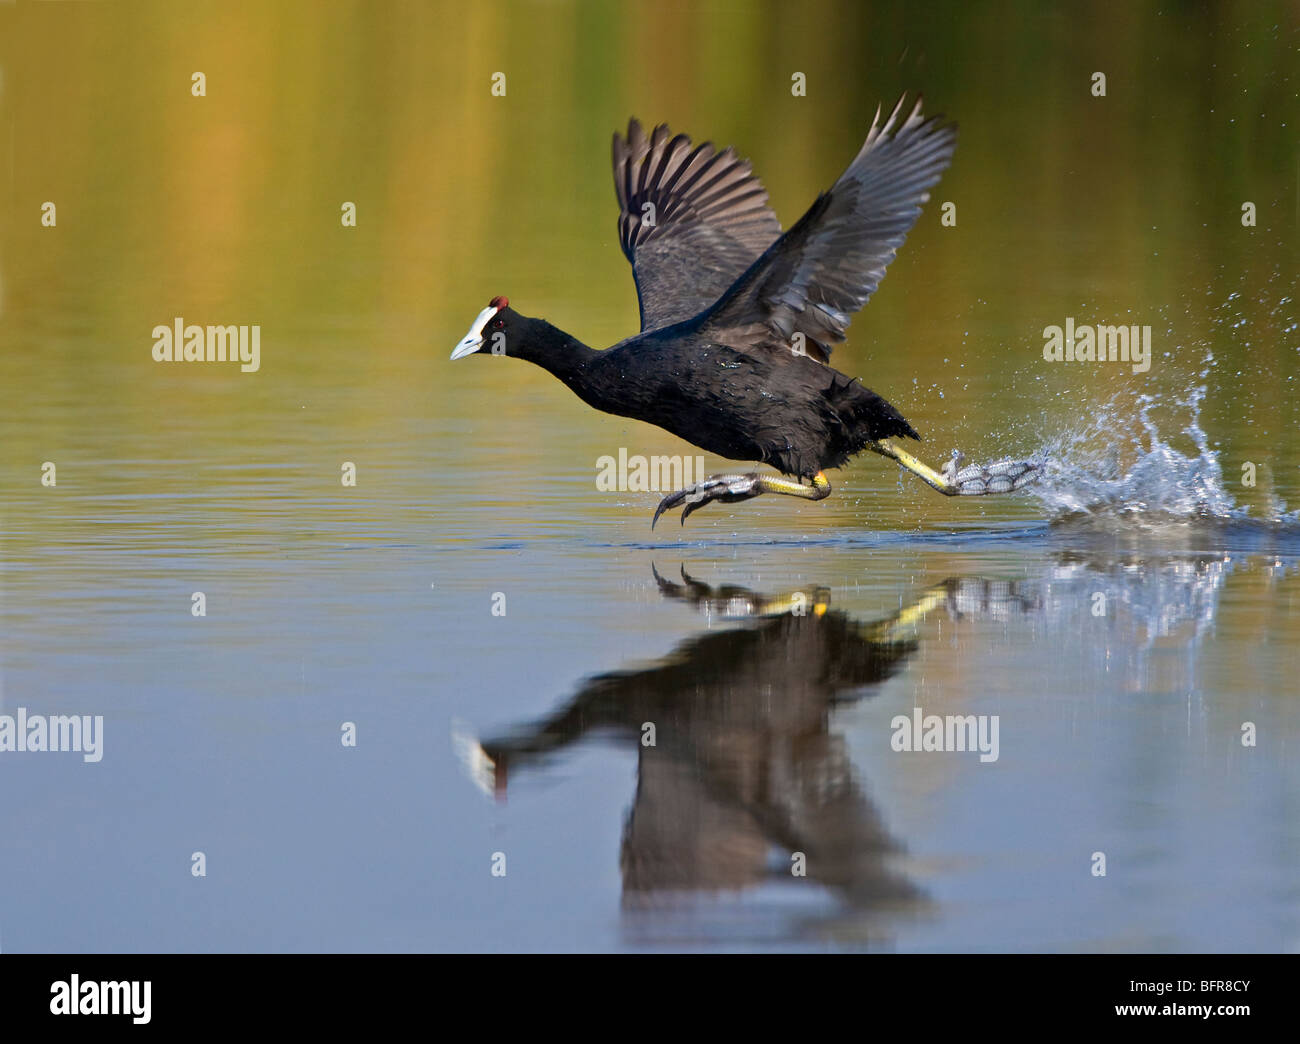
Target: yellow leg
924 472
819 490
1003 477
731 488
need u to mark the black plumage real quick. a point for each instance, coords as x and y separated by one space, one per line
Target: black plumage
737 318
792 412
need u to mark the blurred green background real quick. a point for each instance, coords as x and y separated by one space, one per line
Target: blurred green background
225 209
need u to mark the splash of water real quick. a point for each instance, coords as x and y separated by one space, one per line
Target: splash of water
1083 474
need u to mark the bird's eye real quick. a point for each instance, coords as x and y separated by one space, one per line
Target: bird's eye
499 323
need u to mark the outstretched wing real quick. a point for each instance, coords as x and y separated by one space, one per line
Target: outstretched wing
691 221
815 277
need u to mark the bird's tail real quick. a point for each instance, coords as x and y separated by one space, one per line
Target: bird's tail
864 416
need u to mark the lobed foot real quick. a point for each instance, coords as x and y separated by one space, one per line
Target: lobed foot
1004 476
726 488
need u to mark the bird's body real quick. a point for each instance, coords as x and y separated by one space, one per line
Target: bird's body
738 319
797 415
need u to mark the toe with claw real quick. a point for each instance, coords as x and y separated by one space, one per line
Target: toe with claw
725 488
1003 476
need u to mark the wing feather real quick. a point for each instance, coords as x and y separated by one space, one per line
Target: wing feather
816 276
706 222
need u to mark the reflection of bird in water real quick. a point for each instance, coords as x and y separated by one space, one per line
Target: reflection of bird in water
743 760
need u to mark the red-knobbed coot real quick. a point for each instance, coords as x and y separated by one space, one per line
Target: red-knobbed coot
738 319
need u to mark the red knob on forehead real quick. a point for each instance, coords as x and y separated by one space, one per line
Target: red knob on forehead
499 303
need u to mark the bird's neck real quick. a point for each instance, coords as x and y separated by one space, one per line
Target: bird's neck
555 351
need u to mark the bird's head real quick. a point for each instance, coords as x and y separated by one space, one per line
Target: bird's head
491 329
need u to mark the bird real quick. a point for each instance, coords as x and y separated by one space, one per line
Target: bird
738 318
